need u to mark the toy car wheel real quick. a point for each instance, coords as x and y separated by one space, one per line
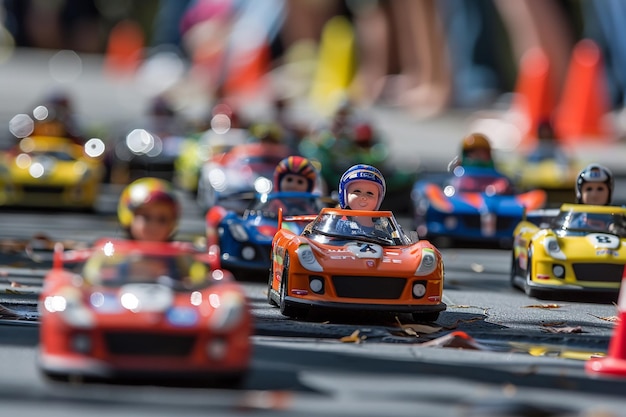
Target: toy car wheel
286 309
529 291
513 270
57 376
425 317
270 300
233 381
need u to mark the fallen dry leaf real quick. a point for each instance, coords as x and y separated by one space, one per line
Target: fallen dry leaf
16 292
353 338
543 306
410 332
575 329
11 246
421 328
414 329
553 324
458 339
609 318
465 306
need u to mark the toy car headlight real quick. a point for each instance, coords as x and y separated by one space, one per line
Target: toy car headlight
229 310
86 176
451 222
551 245
70 307
428 263
307 259
239 232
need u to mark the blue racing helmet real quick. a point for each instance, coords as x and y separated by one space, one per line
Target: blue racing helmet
361 172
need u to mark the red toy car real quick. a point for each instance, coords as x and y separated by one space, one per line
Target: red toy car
143 309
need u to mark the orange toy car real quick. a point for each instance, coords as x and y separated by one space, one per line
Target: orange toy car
333 267
143 309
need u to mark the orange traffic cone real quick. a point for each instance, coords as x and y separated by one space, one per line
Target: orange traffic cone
124 49
584 104
615 363
534 100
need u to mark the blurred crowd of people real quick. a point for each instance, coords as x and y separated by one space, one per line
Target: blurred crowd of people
423 55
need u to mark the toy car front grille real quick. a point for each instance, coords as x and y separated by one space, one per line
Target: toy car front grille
502 222
387 288
42 189
598 272
149 344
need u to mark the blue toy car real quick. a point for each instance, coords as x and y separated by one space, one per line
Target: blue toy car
471 204
245 240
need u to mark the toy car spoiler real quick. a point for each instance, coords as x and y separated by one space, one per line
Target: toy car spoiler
299 218
61 256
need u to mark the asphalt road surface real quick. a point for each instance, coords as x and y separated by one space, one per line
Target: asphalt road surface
525 357
522 357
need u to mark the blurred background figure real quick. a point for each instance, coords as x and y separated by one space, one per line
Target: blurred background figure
475 152
148 146
55 116
69 24
422 56
604 23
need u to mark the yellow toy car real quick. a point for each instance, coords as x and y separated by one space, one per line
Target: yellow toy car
580 250
554 173
48 171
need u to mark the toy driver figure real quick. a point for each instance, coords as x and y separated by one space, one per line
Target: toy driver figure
594 185
294 173
361 187
475 152
149 210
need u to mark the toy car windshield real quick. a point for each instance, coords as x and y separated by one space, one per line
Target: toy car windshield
261 163
490 185
292 203
383 230
180 272
61 156
583 222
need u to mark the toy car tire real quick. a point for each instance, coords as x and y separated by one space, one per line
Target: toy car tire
285 308
527 289
56 376
513 271
233 381
270 300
